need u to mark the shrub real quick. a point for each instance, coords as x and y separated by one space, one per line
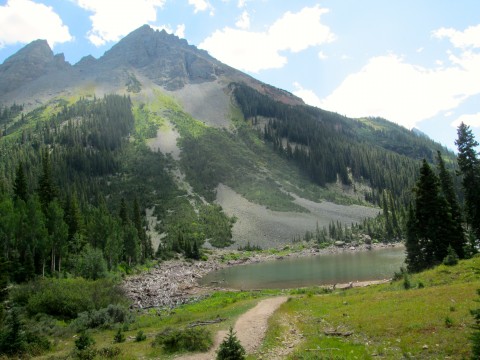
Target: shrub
451 258
140 336
119 336
12 338
91 264
448 322
174 340
84 341
110 352
230 348
406 281
103 318
66 298
16 338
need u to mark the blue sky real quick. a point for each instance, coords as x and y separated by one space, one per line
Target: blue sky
414 62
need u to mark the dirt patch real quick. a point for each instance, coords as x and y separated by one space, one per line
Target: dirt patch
250 328
166 141
208 102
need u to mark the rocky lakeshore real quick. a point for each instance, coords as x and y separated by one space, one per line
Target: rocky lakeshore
175 282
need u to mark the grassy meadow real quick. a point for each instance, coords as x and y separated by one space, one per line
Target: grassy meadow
430 320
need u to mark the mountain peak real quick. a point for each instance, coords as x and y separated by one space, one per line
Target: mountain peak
37 51
164 58
29 63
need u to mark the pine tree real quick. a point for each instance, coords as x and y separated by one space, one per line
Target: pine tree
123 213
430 228
145 251
446 184
73 218
230 348
415 256
470 168
46 188
4 266
20 185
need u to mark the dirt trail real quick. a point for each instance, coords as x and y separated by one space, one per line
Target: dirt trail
250 328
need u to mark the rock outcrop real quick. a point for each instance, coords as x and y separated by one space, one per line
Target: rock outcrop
30 63
155 56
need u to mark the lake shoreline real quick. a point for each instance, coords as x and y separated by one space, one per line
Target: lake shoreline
175 282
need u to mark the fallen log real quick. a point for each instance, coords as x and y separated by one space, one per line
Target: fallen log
324 349
206 322
337 333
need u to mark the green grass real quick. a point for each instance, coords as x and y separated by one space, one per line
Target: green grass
237 158
225 305
389 321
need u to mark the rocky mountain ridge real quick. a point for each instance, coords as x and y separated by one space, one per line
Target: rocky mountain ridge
163 59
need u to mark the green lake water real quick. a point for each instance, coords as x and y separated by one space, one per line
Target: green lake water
315 270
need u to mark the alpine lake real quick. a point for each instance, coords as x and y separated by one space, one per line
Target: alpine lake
326 269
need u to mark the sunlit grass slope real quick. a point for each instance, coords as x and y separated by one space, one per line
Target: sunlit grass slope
431 320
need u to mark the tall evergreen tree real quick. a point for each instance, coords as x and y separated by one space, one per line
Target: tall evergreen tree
415 252
469 164
448 191
123 213
20 185
431 230
73 218
46 187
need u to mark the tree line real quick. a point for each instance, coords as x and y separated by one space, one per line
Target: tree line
52 221
329 147
438 227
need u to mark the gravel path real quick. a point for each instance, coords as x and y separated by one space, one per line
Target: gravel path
250 329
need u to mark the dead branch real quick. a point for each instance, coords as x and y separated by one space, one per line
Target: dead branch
207 322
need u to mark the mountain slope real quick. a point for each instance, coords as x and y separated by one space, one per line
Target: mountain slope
256 150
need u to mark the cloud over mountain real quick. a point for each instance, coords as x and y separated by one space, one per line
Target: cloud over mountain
260 50
22 21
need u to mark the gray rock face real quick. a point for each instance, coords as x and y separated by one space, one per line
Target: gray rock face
165 59
34 74
31 62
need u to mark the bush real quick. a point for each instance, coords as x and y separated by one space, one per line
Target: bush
12 337
140 336
230 348
91 264
66 298
119 336
84 341
174 340
406 281
451 258
111 352
399 275
103 318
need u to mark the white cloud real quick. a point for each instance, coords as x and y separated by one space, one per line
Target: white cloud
472 120
256 51
244 21
389 87
180 31
322 56
22 21
241 3
306 95
470 37
201 5
113 19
